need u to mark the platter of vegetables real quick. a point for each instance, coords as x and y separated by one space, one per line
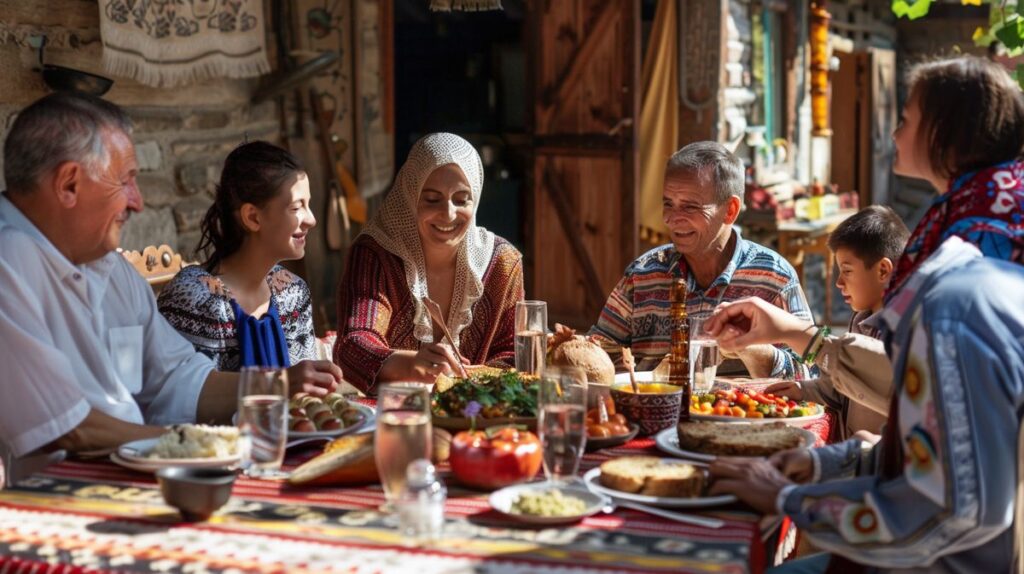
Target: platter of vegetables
488 397
739 404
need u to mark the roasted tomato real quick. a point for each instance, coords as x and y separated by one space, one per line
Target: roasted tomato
495 459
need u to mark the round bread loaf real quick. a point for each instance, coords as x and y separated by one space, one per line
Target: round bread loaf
652 476
579 352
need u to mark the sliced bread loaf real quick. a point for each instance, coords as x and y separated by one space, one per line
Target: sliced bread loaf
651 476
738 439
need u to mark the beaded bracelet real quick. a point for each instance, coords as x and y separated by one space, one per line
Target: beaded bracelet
814 347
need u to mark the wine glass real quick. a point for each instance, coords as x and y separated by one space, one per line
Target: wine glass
531 336
262 420
562 413
403 433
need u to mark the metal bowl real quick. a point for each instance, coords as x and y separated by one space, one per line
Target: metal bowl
196 492
61 79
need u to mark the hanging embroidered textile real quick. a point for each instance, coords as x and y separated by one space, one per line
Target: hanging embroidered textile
167 44
464 5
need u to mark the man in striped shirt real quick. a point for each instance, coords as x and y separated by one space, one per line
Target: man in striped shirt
702 198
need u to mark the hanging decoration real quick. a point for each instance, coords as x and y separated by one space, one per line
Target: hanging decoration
168 44
819 69
464 5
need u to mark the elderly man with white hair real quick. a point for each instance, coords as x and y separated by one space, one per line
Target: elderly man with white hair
88 361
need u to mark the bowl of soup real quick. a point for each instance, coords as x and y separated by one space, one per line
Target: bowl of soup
654 408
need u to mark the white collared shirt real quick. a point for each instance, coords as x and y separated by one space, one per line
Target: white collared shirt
75 337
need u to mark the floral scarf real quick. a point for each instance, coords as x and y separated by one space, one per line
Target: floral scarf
984 207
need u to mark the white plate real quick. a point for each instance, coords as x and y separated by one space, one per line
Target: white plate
368 417
369 420
502 500
668 442
137 451
641 377
155 464
593 481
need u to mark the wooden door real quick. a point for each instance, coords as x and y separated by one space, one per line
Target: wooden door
585 77
883 116
864 115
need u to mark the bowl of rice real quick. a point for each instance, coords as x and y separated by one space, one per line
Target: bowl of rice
186 444
543 503
197 441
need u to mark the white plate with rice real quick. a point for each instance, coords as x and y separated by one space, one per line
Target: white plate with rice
184 445
531 504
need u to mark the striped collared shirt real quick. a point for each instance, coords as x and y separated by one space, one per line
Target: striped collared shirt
637 312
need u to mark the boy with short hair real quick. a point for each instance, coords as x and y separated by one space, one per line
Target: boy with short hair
866 246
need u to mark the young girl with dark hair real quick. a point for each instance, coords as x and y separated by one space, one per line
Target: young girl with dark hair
240 307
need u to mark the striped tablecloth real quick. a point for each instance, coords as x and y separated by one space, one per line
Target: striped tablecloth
95 516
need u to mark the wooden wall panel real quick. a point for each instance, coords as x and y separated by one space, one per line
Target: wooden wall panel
585 68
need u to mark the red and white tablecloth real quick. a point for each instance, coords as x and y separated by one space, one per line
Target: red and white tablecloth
96 517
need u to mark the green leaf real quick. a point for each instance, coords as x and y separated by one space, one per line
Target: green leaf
1010 33
912 10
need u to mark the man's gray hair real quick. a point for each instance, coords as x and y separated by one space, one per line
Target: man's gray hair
710 162
58 128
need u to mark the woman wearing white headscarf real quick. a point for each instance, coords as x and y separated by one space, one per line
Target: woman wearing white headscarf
424 241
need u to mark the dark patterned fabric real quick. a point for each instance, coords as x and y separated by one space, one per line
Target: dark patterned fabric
198 305
984 207
375 312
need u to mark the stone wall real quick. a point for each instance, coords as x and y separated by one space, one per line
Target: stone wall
182 135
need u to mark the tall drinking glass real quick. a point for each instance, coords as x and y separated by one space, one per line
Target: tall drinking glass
704 355
403 433
562 412
531 336
262 420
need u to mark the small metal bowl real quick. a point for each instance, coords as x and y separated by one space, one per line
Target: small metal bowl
196 492
59 78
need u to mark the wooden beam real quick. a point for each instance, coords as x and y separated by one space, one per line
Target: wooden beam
573 231
554 95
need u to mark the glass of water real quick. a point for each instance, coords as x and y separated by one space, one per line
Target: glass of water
262 420
404 434
562 413
704 355
531 336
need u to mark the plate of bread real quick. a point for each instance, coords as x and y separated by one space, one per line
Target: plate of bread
703 441
664 482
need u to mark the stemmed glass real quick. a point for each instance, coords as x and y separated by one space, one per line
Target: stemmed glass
531 336
263 420
562 412
403 434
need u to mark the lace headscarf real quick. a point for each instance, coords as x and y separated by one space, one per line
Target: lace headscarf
395 228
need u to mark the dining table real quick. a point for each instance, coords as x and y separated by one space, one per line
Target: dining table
85 516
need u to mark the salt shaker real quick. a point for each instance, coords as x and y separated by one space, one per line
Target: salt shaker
421 504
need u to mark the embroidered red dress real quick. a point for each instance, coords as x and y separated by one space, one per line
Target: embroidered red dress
376 310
